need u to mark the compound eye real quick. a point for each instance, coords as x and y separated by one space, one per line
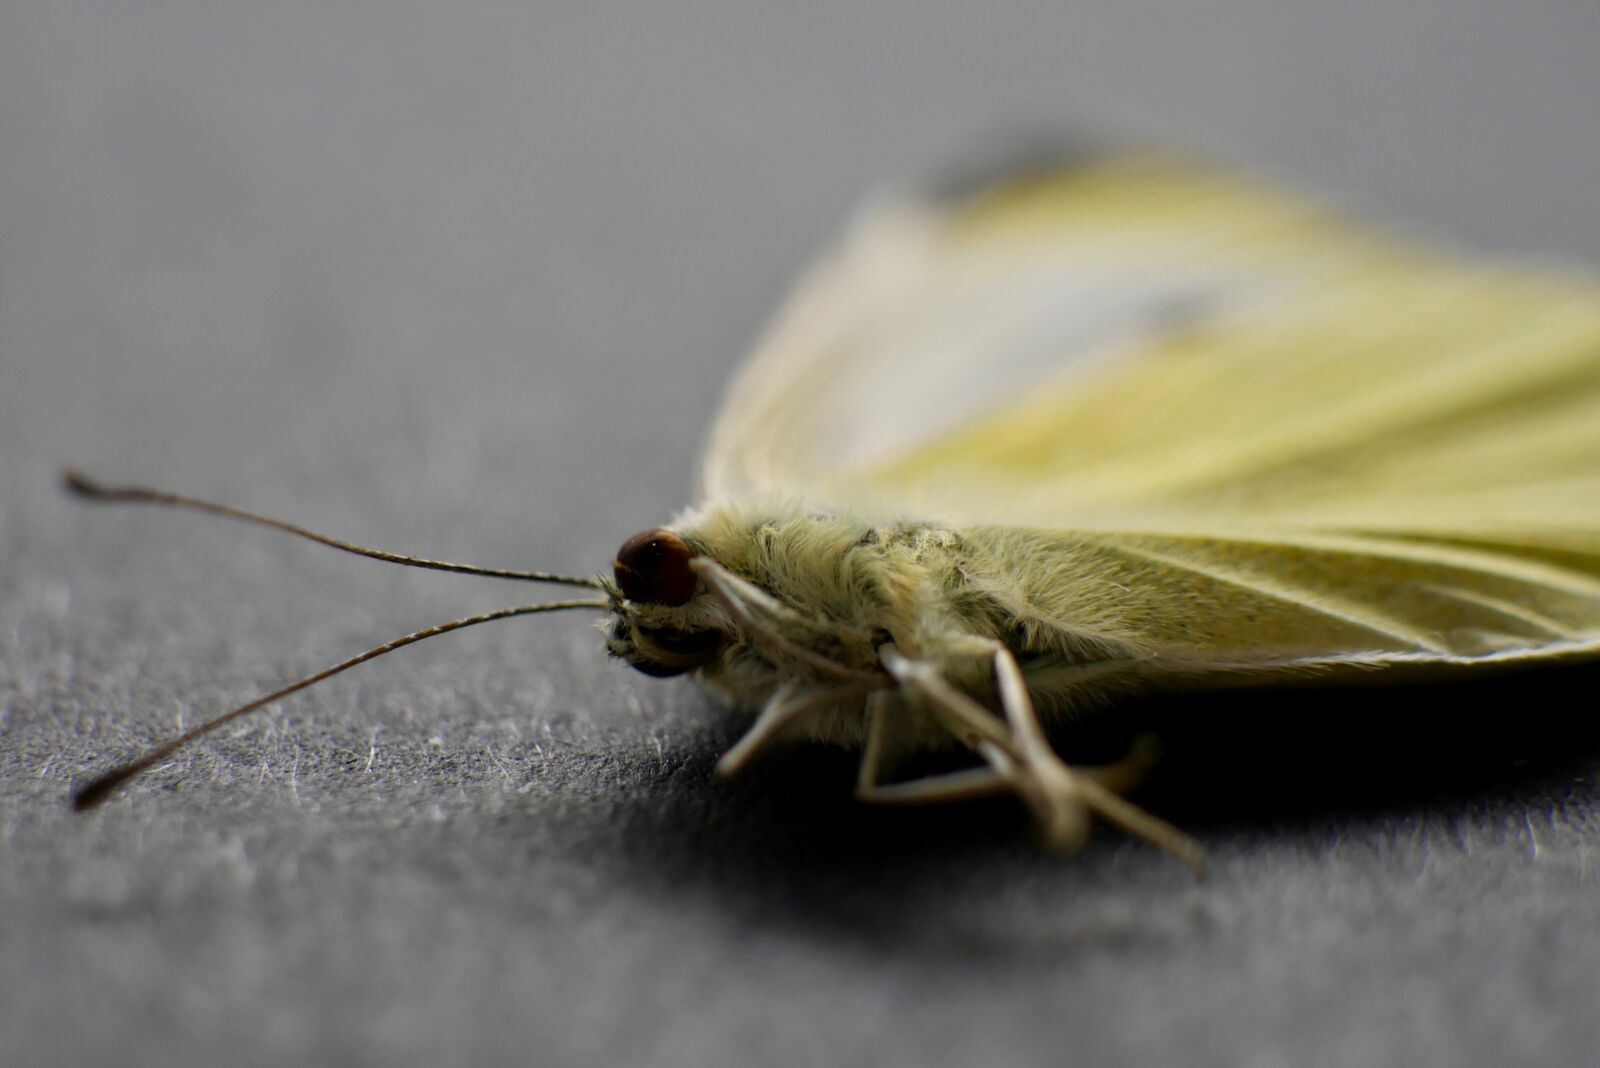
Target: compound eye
652 567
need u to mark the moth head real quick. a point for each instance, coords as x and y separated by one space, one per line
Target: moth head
652 567
654 627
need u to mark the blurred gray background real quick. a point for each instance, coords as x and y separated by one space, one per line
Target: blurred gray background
465 280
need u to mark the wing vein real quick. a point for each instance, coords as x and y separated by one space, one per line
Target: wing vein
1319 602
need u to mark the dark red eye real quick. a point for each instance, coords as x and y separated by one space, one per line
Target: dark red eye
652 567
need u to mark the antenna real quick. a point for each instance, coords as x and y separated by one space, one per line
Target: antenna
88 489
101 787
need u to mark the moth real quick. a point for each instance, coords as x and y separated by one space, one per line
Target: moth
1106 425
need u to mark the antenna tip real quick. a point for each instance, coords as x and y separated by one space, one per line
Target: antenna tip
95 793
74 481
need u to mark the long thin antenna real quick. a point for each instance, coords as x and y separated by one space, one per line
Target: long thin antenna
101 787
94 491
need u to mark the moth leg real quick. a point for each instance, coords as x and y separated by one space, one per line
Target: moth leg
952 786
970 722
1069 788
867 775
1124 776
742 600
1020 758
785 706
956 786
1061 813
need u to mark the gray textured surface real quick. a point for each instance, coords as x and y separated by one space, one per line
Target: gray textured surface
464 279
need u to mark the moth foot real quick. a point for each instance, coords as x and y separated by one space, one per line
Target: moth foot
1064 798
1124 776
936 789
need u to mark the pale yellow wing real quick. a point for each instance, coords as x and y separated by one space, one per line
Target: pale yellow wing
934 312
1231 384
